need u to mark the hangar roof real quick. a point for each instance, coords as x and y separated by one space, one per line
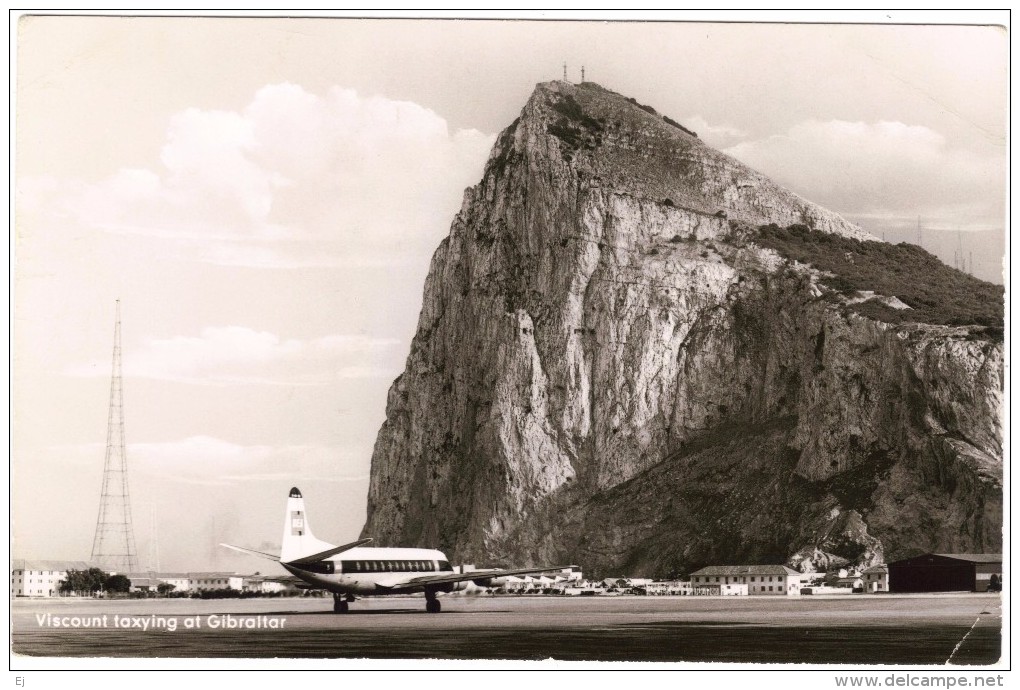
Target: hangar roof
731 570
974 557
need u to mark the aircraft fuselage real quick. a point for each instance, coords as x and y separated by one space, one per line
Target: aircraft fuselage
366 570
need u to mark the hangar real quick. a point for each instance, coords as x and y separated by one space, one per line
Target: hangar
945 572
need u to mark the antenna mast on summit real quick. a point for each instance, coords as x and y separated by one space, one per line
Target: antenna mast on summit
565 72
582 74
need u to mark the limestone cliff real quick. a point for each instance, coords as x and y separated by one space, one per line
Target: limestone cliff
610 369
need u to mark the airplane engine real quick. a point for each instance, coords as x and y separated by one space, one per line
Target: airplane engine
491 581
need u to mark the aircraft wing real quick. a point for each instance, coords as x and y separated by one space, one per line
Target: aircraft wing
253 552
426 580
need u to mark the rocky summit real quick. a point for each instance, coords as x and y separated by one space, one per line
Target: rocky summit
638 355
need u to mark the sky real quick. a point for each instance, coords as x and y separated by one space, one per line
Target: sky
264 196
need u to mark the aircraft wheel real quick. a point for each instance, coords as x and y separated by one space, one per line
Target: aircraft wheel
340 606
433 606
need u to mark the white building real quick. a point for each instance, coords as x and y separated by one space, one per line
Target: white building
571 574
668 587
207 582
760 579
41 578
144 583
180 581
876 579
265 584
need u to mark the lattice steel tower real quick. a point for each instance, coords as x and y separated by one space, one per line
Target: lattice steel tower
114 544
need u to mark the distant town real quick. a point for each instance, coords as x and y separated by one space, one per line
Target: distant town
932 572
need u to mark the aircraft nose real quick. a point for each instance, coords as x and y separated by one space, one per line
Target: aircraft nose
294 493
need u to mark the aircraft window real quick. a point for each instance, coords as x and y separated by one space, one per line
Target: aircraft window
322 567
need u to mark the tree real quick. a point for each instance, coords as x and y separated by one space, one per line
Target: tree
117 583
83 581
164 588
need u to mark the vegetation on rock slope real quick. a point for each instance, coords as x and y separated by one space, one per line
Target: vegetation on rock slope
935 293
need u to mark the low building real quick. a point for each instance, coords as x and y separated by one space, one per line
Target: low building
945 572
760 579
824 590
180 581
876 579
853 583
144 583
571 573
207 582
41 578
721 590
266 584
668 587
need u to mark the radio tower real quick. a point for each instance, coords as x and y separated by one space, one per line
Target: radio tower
154 542
114 544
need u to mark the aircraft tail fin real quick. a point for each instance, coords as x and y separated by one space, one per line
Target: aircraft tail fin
298 540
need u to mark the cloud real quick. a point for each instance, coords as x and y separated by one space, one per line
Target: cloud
883 170
238 355
718 135
293 179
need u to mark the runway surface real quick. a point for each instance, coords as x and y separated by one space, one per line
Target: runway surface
860 629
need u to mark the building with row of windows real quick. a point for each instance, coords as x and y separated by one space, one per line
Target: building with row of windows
41 578
208 582
760 580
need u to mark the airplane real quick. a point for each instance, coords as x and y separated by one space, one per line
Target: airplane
352 570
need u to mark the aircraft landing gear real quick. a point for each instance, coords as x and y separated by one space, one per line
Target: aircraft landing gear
340 604
432 604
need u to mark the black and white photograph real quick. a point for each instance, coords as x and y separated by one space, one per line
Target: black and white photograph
635 341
